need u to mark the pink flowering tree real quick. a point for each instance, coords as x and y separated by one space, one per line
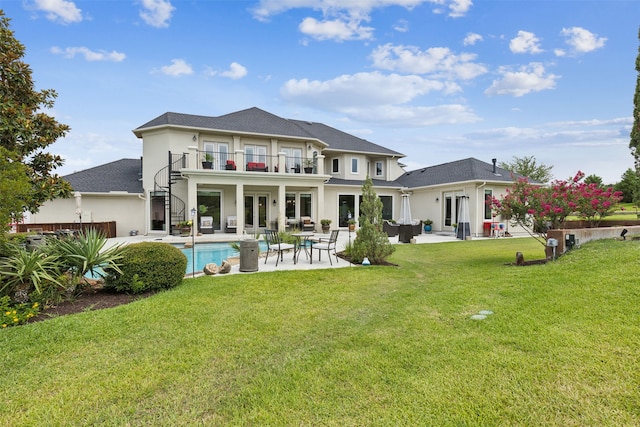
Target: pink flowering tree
538 209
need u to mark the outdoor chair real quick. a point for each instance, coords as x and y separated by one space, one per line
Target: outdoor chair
326 244
306 224
274 244
232 222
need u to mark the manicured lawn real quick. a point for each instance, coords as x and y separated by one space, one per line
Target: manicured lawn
360 346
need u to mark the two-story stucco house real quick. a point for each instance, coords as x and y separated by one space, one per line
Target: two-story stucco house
250 170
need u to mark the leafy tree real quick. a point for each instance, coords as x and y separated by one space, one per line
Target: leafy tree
25 131
593 179
628 186
538 209
528 167
371 241
634 143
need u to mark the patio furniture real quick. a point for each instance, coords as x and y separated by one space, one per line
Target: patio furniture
274 244
303 240
326 244
256 167
306 224
206 224
390 228
232 222
230 165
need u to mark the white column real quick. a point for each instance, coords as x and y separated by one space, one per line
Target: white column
240 209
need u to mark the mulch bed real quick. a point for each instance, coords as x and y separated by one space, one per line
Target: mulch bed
93 298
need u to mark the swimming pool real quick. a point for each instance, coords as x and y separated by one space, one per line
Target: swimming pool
206 253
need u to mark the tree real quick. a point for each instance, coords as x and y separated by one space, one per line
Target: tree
528 167
25 131
628 186
538 209
593 179
371 241
634 143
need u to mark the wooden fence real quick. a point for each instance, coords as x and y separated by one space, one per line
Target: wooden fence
107 228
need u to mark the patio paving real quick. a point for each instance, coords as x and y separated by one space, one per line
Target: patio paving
287 264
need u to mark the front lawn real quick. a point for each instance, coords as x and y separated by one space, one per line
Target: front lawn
356 346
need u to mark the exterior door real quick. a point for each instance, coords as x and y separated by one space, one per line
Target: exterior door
451 208
255 211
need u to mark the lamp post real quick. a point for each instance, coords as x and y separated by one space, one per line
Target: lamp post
193 242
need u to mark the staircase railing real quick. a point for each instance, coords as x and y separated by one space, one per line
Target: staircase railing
162 182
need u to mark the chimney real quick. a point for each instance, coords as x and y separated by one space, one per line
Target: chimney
494 164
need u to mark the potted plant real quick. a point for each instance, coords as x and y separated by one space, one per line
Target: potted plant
455 227
352 224
185 227
427 225
308 165
326 225
207 163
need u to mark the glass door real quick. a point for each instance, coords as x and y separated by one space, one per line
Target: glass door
255 211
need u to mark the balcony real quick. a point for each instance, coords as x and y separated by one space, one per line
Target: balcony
240 161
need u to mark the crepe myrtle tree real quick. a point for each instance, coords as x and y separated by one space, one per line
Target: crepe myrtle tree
538 209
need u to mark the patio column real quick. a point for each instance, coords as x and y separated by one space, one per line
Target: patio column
282 194
240 209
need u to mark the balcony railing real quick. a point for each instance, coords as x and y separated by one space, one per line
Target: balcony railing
240 161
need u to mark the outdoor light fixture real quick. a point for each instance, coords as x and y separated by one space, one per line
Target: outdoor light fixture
274 202
624 233
437 199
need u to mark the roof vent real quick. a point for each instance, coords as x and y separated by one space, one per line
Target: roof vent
494 165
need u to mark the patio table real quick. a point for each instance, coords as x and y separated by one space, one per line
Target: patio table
302 240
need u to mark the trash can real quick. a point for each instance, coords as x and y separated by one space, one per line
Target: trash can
34 241
249 251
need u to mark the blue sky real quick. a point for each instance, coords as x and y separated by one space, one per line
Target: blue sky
437 80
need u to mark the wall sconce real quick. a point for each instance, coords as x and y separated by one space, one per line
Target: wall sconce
437 199
194 138
274 202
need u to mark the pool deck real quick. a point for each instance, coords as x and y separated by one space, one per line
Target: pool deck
287 264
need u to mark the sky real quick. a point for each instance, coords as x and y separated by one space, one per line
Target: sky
436 80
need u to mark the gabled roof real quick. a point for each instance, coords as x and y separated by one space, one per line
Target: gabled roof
464 170
121 175
256 121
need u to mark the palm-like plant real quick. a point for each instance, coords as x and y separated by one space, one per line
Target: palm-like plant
25 272
85 254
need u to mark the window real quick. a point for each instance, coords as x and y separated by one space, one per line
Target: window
354 165
488 196
305 204
219 152
335 165
290 205
378 168
255 153
293 159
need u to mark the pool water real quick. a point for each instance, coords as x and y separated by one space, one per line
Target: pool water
206 253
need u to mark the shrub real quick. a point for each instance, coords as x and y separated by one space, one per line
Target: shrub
16 314
147 266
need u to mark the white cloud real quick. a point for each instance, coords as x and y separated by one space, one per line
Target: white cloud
378 98
471 39
531 78
336 29
361 89
156 13
177 68
525 42
235 72
89 55
581 40
342 20
402 26
62 11
436 61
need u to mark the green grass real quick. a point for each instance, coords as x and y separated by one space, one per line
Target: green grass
358 346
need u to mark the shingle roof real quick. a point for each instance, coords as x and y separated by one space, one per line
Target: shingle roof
120 175
257 121
458 171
